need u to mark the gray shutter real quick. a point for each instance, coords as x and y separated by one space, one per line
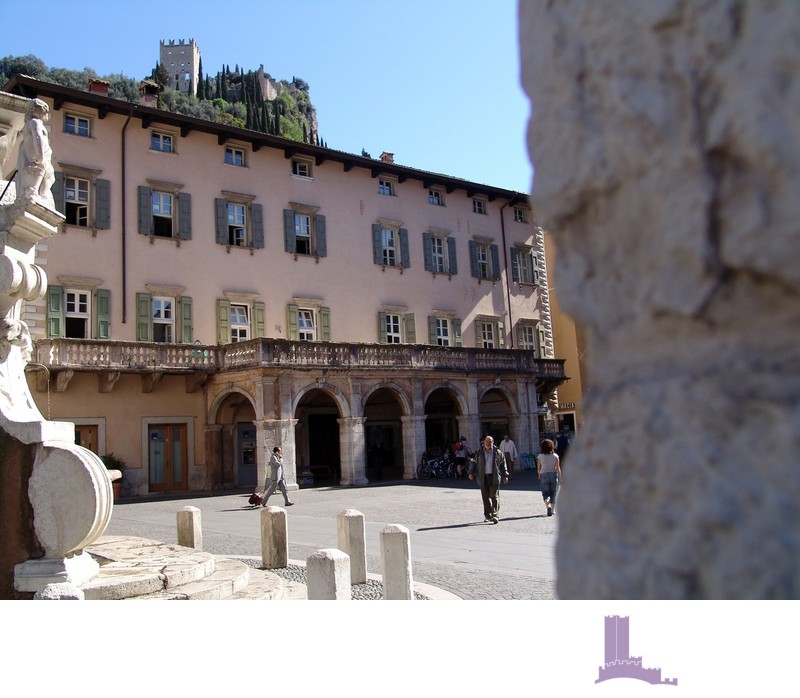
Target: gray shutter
185 214
382 328
322 235
102 218
377 250
457 332
410 328
185 305
292 321
223 321
405 256
535 264
257 213
325 324
289 240
221 220
514 264
103 329
451 255
145 211
520 335
55 311
432 330
260 313
427 249
144 317
495 261
501 334
542 342
58 192
475 269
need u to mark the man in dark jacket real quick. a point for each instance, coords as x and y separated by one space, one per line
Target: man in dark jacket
488 467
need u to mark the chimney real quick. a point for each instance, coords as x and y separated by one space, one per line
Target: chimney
388 158
148 93
98 87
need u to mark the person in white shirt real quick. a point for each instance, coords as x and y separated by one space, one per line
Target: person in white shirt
509 450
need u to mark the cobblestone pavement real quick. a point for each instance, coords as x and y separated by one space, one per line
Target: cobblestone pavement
451 546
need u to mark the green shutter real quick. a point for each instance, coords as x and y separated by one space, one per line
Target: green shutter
501 334
377 249
322 235
457 332
382 328
292 321
542 341
185 306
427 250
58 192
103 329
221 220
223 321
432 330
257 211
260 314
410 328
289 243
325 324
102 217
185 213
495 252
145 211
535 263
451 255
144 317
55 311
514 264
405 255
474 267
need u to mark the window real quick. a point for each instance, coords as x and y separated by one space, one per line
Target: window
83 198
436 196
479 206
309 322
82 312
163 316
162 142
524 265
440 252
386 186
520 214
234 156
239 318
165 211
489 333
444 331
531 337
390 245
77 125
396 327
239 222
484 260
301 168
304 231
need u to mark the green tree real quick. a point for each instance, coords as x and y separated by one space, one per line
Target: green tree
161 76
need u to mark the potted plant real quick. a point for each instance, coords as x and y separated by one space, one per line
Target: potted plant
116 468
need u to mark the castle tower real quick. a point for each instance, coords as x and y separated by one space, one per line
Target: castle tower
182 60
617 634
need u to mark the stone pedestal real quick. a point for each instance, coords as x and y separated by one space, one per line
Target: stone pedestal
351 536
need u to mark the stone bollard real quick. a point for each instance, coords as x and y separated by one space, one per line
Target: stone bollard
59 592
190 530
396 563
274 538
352 540
328 576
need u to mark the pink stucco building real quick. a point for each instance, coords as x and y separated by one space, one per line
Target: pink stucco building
217 291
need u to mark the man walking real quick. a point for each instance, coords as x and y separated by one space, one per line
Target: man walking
489 469
278 479
509 449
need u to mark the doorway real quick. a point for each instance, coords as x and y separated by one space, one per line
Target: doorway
247 470
168 463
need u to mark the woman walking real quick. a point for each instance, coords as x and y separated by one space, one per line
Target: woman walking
549 468
278 481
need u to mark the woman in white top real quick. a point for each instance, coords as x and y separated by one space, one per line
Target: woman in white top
548 466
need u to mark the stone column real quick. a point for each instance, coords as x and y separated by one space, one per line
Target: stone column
351 536
190 529
277 432
352 450
396 563
274 538
328 573
665 140
413 444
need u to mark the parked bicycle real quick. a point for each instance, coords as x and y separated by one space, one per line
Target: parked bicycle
441 467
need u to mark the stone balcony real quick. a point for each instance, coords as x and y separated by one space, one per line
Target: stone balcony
109 359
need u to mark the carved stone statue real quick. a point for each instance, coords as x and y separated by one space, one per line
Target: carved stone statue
35 175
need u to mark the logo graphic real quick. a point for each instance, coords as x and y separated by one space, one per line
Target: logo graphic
618 662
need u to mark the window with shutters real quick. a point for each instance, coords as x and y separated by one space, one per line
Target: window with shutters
309 320
163 320
80 310
440 251
77 124
489 333
83 197
165 211
390 244
162 141
395 326
484 259
163 315
531 337
520 214
239 317
239 221
304 231
524 265
240 323
444 330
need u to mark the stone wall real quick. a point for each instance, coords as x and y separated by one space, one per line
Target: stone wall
664 137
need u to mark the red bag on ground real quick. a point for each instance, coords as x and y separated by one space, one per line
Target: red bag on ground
256 498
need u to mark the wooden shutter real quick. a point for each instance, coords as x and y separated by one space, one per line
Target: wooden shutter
102 218
535 264
145 211
495 252
377 248
405 256
451 255
515 264
382 328
432 330
185 216
55 311
58 192
456 323
223 321
289 240
542 342
259 313
474 267
144 317
501 334
103 302
257 214
292 321
427 249
185 306
322 235
325 324
410 328
221 220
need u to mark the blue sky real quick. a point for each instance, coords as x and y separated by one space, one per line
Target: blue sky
436 83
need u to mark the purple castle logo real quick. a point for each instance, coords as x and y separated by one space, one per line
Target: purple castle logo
618 662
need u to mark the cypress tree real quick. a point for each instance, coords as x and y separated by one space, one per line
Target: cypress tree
201 85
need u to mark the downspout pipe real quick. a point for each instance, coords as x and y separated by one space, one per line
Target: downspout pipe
508 274
124 225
